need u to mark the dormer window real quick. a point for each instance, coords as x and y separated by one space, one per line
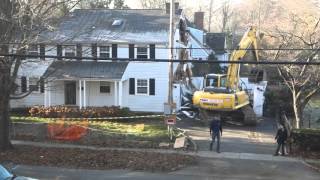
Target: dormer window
69 51
117 22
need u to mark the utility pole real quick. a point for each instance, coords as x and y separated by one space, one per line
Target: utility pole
210 16
171 44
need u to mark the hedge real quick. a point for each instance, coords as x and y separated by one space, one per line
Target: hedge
306 139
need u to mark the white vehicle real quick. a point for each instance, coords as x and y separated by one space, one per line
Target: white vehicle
6 175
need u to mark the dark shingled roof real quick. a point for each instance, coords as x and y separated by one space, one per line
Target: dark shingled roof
95 25
86 69
216 41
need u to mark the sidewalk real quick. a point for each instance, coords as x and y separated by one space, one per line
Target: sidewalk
203 154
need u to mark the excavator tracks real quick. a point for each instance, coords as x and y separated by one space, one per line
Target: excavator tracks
249 116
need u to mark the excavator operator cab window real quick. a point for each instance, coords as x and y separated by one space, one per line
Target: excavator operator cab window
223 81
212 81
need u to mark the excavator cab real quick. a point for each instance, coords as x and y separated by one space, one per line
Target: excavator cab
215 80
216 83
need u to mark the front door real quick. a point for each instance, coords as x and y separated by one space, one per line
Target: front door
70 93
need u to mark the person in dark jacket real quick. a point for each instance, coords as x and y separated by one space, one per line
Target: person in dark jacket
215 132
281 138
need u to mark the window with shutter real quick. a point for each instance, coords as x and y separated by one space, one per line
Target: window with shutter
33 84
33 50
142 53
142 86
69 51
104 52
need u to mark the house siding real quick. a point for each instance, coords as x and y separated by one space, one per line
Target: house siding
93 95
34 99
147 70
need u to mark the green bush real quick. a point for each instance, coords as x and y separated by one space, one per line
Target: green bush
306 139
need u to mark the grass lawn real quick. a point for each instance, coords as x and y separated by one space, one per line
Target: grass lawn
140 128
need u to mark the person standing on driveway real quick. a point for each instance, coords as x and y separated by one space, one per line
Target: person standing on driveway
215 132
281 138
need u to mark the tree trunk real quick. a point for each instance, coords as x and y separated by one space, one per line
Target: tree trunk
297 112
5 143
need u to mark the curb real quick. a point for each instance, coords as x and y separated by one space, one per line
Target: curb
310 166
200 154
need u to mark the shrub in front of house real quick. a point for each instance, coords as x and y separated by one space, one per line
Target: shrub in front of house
306 139
74 112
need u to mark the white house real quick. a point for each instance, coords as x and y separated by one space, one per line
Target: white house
113 35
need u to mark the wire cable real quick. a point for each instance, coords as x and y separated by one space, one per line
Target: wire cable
243 61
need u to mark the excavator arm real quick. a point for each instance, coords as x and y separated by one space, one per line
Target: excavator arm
248 40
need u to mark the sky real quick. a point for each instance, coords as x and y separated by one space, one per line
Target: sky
196 4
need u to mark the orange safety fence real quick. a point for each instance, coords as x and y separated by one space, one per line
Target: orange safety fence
67 131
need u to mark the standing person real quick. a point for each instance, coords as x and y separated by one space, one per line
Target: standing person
281 138
215 132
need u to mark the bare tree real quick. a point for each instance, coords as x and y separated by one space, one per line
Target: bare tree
226 14
303 81
103 4
21 23
153 4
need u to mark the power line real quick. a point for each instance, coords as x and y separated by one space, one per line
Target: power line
194 48
244 61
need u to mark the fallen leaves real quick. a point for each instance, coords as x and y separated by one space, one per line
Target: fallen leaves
91 159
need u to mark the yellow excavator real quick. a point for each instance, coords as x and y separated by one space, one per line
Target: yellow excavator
221 93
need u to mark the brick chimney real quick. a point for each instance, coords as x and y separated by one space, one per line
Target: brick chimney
199 19
176 7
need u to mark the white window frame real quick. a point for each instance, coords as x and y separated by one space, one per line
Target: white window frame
99 50
29 83
65 48
136 86
148 51
106 84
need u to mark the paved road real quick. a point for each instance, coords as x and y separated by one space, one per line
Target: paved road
259 139
207 169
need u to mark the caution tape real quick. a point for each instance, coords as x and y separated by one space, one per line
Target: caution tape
88 119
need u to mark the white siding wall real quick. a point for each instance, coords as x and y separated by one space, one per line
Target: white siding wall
158 71
198 53
123 51
95 98
32 100
86 51
57 93
93 95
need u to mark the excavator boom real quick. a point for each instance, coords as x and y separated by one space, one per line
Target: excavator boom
248 40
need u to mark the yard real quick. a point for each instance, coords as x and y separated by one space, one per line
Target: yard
137 133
